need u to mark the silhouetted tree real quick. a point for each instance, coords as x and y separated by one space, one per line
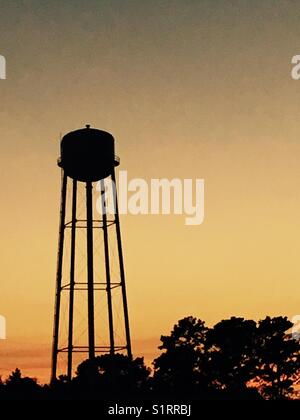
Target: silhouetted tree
179 369
232 360
112 375
21 388
60 388
278 358
231 354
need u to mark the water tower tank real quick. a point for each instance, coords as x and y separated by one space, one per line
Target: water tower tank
88 154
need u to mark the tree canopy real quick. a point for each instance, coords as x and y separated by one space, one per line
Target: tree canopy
235 359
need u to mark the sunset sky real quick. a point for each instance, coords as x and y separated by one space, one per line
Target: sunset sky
189 89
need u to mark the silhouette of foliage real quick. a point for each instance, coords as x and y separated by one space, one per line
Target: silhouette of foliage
231 354
236 359
112 375
278 358
179 369
17 387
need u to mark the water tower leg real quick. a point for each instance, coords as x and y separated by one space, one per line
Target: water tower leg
59 275
90 269
122 272
72 279
107 269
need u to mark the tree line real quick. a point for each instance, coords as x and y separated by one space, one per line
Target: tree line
235 359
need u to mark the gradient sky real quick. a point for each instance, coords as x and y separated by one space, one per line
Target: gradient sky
189 89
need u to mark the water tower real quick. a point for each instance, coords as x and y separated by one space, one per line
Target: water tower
88 273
